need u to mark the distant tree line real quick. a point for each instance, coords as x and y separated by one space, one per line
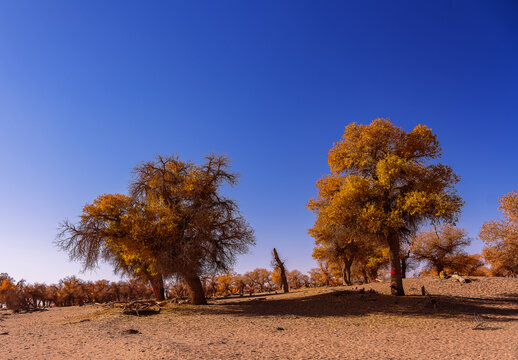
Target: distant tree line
70 291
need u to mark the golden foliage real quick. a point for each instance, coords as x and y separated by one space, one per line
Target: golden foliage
383 185
174 222
68 292
501 238
441 247
381 182
468 265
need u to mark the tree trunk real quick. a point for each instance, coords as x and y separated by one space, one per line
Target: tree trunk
157 283
285 286
280 265
347 273
439 268
196 292
365 276
396 280
403 268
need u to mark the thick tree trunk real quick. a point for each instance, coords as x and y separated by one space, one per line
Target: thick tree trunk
365 276
157 283
285 286
282 270
396 280
196 292
346 271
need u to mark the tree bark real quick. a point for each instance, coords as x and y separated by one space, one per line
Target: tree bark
157 283
196 292
365 276
347 273
280 264
396 280
346 270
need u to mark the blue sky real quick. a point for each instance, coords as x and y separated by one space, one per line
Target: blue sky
89 89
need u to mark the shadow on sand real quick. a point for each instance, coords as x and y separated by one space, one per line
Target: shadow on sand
345 303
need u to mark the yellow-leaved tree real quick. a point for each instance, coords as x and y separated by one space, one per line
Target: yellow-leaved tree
384 183
120 230
441 248
175 221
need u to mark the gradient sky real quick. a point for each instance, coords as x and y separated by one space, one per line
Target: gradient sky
89 89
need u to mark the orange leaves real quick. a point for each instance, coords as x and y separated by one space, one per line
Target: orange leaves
390 169
70 291
7 285
501 237
381 186
276 277
259 280
175 221
225 283
468 265
509 207
505 231
415 202
362 146
421 143
381 181
108 205
440 247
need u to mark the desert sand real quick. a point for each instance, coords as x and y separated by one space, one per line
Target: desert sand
477 320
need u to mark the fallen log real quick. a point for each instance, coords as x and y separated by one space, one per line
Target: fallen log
459 278
139 307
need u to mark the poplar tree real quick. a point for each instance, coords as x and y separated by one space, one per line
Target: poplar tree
175 221
384 183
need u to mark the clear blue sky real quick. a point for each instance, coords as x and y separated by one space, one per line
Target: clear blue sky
89 89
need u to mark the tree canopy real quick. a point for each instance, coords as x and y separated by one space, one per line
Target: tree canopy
384 183
175 221
441 247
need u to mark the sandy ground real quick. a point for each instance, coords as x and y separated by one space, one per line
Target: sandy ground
325 323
